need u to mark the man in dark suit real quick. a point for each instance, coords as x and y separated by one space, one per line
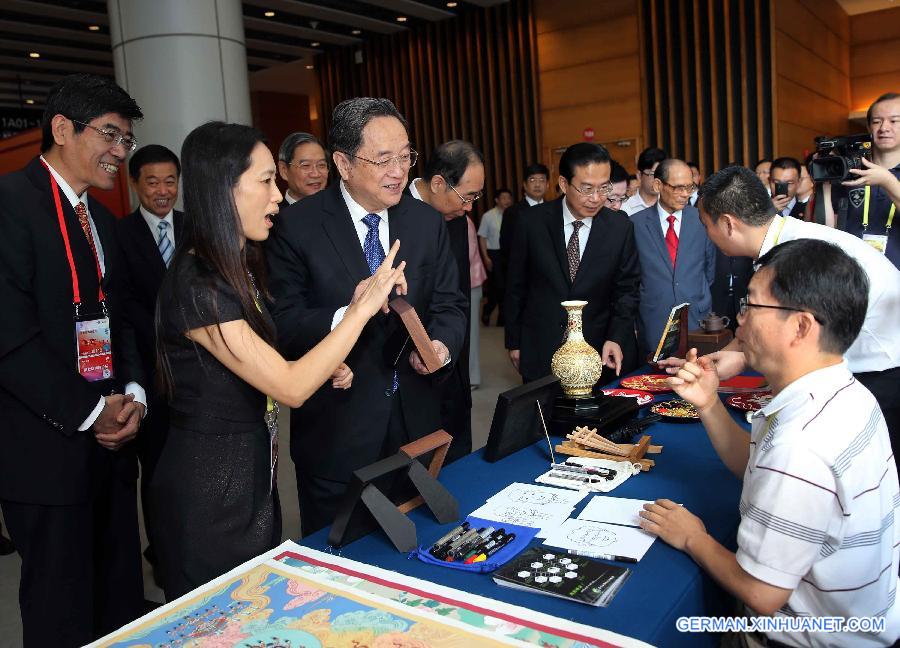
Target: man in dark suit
452 182
302 164
320 256
148 237
67 472
678 261
572 248
535 183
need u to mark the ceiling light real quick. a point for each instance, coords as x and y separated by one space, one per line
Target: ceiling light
316 44
310 67
34 54
356 32
269 14
451 4
93 27
401 18
29 101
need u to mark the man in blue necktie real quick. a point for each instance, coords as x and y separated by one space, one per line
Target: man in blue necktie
321 253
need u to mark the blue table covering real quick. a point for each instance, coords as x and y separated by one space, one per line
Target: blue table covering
665 585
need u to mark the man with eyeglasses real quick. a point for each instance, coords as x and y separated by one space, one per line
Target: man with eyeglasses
646 195
697 177
618 176
70 374
453 181
678 261
784 180
740 219
819 528
566 249
302 164
320 260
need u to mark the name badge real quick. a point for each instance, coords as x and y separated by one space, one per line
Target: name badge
93 346
877 241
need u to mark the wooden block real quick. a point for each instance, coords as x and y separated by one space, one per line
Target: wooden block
438 441
417 332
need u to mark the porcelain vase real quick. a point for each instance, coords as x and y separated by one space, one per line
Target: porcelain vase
576 363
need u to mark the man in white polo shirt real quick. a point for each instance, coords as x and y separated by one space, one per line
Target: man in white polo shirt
740 219
817 536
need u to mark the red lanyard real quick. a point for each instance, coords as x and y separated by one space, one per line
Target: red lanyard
76 293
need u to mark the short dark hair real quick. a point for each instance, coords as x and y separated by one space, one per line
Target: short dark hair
692 165
736 190
819 277
617 173
350 118
151 154
292 141
887 96
665 167
499 191
536 169
83 97
757 163
579 155
450 161
649 157
786 163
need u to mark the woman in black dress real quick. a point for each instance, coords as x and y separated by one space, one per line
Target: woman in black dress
213 502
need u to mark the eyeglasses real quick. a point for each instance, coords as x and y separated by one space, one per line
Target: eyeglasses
112 136
744 304
306 167
402 161
687 189
649 174
466 201
536 179
616 199
602 190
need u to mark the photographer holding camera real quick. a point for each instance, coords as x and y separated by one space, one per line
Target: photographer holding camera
784 181
866 203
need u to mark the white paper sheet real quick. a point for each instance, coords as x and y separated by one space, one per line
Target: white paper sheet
543 517
519 494
613 510
598 538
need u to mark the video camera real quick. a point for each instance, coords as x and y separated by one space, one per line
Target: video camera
837 155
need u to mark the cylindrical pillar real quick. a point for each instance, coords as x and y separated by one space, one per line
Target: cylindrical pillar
185 63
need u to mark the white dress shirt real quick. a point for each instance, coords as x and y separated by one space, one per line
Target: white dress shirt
153 221
489 230
877 347
634 204
664 220
131 388
531 201
290 199
357 214
568 228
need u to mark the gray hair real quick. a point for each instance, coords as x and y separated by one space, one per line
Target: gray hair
350 118
292 141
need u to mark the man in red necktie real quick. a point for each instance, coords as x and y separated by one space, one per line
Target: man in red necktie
70 377
678 261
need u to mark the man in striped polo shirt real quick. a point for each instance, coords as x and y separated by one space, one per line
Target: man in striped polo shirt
817 536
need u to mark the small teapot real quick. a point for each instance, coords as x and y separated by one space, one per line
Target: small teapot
714 323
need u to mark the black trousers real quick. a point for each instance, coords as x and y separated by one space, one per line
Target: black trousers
320 498
81 566
885 386
495 288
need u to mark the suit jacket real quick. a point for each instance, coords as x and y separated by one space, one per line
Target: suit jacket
44 459
663 286
145 270
508 227
315 262
608 279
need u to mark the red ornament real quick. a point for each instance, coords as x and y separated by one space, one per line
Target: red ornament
588 134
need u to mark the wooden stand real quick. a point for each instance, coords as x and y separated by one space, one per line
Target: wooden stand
709 342
439 442
584 442
416 331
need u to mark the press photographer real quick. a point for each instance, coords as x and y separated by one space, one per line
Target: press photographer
864 199
784 181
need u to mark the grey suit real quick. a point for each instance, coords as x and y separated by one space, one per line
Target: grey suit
663 286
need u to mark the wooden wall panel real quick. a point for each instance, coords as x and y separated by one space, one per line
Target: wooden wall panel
811 50
473 78
874 56
589 74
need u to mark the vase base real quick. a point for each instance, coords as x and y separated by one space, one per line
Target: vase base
605 413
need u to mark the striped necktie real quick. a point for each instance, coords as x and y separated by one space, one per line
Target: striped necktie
166 249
